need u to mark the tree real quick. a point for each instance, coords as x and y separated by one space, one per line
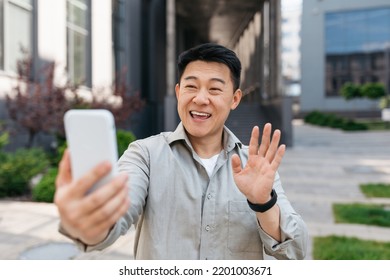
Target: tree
39 105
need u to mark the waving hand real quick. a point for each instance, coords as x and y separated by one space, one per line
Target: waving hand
256 179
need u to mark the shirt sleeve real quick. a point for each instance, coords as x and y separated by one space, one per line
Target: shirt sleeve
294 234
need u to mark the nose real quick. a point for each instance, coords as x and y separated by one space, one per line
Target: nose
201 98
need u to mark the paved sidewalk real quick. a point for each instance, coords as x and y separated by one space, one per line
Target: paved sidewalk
323 167
326 166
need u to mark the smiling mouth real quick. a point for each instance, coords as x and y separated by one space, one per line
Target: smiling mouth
200 115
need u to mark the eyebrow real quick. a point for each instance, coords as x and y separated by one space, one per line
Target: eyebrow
212 79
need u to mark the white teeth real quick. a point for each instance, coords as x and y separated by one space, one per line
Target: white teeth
200 114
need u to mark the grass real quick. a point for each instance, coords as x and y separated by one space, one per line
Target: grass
376 124
356 213
376 190
349 248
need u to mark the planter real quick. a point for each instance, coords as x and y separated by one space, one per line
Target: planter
386 114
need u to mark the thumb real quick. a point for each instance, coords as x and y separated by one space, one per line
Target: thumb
236 164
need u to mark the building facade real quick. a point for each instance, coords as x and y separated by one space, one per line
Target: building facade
291 43
344 41
93 40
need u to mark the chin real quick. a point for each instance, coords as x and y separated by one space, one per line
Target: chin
196 131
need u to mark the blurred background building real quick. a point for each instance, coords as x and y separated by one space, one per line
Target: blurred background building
94 40
343 41
291 43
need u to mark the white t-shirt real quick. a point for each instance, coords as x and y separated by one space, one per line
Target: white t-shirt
209 163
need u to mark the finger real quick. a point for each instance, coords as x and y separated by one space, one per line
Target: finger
278 157
107 223
64 175
107 211
254 141
265 139
83 184
102 195
236 164
270 154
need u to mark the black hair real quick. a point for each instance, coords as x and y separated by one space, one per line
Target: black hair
211 52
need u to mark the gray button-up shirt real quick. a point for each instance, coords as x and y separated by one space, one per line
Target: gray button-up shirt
182 213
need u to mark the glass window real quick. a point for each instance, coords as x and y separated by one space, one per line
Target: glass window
78 41
358 37
15 32
119 37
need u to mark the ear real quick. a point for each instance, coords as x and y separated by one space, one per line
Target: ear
177 91
236 99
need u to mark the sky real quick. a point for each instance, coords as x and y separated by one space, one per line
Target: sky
291 4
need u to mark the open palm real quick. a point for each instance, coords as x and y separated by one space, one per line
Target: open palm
256 179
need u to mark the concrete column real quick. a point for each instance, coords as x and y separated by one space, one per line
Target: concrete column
170 111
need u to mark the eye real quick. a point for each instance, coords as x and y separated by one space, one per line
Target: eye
215 90
190 86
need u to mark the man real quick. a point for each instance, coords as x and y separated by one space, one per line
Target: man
197 192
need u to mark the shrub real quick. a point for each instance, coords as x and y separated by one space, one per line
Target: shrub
351 125
17 169
384 102
373 90
331 120
351 91
124 138
315 117
4 140
44 191
336 122
56 154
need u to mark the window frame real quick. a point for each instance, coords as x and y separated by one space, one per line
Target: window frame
85 31
5 32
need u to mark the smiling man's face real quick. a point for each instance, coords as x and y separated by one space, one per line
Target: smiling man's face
205 97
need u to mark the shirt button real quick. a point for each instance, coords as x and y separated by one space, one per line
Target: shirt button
207 228
209 196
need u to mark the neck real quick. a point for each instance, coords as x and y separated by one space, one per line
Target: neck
206 147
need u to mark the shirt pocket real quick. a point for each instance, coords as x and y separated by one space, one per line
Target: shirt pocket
243 234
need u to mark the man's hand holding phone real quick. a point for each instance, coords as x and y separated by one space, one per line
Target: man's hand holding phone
90 196
89 217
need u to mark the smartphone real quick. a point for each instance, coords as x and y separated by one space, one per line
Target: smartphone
91 139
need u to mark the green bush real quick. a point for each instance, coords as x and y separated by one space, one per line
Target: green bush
331 120
368 90
56 155
351 91
44 191
351 125
4 140
373 90
17 169
315 117
124 138
384 102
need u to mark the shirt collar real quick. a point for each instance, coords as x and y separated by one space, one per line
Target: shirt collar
230 140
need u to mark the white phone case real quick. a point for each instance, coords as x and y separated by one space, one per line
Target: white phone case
91 138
